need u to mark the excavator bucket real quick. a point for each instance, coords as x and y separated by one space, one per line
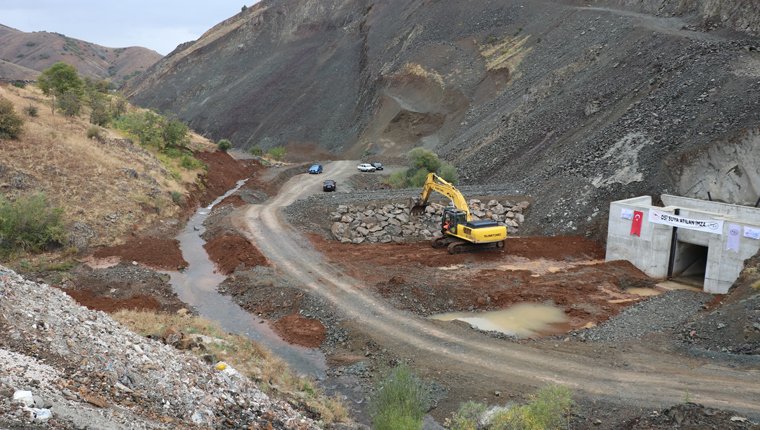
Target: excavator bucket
417 207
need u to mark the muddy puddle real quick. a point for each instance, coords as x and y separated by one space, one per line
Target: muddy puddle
524 320
197 286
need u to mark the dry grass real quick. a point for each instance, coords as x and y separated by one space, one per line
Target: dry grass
506 54
246 356
89 179
414 69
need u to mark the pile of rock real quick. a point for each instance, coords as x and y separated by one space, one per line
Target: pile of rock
394 223
98 374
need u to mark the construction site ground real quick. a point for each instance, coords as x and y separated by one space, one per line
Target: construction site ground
363 305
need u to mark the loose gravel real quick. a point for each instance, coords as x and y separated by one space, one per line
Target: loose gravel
659 313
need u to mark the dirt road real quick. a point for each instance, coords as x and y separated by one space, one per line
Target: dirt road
641 376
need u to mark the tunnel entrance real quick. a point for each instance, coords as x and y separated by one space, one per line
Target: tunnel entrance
689 263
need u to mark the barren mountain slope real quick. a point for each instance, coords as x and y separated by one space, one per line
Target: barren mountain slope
39 50
573 103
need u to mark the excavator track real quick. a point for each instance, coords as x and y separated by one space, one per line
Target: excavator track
458 246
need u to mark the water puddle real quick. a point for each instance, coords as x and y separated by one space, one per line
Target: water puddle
523 320
196 286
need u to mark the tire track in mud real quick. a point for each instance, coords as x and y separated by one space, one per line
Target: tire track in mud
650 378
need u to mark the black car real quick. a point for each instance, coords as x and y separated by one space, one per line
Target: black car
377 166
329 185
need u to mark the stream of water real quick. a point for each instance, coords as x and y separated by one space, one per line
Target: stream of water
197 286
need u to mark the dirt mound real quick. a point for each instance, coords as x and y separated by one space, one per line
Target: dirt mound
150 251
229 252
223 172
565 271
110 305
732 323
302 331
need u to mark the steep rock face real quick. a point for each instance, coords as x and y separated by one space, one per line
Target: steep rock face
278 72
576 105
39 50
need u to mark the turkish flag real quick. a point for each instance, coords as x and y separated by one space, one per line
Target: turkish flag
636 223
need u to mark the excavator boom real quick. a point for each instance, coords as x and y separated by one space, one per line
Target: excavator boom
440 185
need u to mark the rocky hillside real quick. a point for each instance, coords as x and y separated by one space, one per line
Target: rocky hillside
39 50
69 367
575 103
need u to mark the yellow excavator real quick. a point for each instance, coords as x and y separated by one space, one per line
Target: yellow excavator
460 232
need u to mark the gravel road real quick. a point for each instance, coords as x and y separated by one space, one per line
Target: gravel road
651 378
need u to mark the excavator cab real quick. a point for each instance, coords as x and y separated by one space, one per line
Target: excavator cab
451 220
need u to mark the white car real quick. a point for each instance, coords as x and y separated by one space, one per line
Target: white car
366 167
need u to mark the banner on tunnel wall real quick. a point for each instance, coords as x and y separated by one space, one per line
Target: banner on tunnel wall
706 225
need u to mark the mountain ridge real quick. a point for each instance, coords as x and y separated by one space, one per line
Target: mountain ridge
40 49
574 102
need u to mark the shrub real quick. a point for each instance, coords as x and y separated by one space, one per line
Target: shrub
19 84
546 411
70 103
177 198
30 224
422 162
174 133
256 151
31 110
449 173
401 401
95 132
466 418
11 124
224 145
99 114
278 153
118 106
189 162
421 158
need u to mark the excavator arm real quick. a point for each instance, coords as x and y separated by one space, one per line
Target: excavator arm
438 184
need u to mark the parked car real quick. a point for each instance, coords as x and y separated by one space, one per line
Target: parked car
329 185
366 167
377 166
315 169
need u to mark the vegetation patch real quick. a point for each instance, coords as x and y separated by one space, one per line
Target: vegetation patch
421 162
246 356
11 124
30 224
400 402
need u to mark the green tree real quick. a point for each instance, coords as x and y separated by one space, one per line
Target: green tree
175 133
401 401
30 224
448 172
60 79
11 124
70 103
224 145
421 158
99 114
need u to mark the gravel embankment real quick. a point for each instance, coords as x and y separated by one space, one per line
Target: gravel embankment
667 311
91 372
313 213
